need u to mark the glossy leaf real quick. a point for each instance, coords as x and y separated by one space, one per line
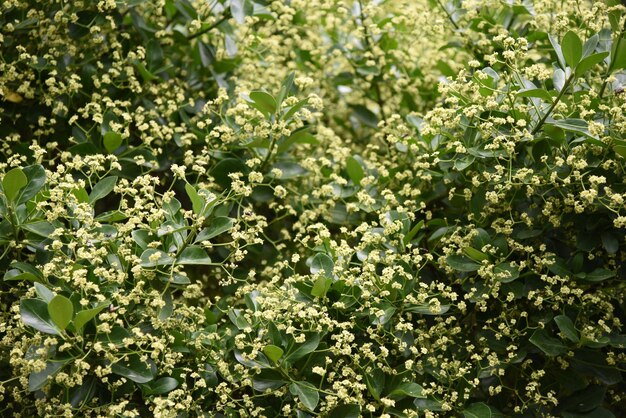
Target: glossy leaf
408 389
160 386
193 255
306 393
197 202
322 263
12 182
273 352
149 259
217 226
134 369
86 315
587 63
112 141
36 178
558 51
566 326
462 263
549 345
263 102
478 410
305 348
572 48
355 170
618 55
538 93
61 311
34 313
37 380
102 189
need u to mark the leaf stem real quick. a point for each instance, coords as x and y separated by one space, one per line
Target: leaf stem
556 101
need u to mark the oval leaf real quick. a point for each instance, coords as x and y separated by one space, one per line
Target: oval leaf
34 313
273 352
12 182
263 102
572 48
306 393
102 188
61 311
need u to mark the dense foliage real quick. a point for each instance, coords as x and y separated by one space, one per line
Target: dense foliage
312 208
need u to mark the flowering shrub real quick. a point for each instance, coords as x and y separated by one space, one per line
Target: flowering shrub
312 208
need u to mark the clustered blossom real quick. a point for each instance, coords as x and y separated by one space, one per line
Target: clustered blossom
326 208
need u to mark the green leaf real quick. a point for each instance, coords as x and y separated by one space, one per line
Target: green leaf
365 116
346 411
268 379
263 102
164 258
408 389
34 313
44 293
41 228
197 202
306 393
478 410
462 263
86 315
81 195
590 45
36 178
321 286
618 55
620 150
17 275
102 189
61 311
597 275
112 141
305 348
322 262
12 182
134 369
293 109
557 49
286 87
549 345
193 255
409 236
274 353
301 136
572 48
37 380
587 63
572 125
218 226
566 326
375 382
538 93
160 386
475 254
609 242
355 170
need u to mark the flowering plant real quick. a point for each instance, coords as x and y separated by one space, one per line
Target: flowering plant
312 208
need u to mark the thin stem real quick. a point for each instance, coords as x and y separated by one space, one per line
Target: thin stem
556 101
210 28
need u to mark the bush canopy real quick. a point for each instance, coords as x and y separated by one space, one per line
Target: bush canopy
312 208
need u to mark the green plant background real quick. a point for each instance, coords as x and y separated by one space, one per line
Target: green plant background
312 208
